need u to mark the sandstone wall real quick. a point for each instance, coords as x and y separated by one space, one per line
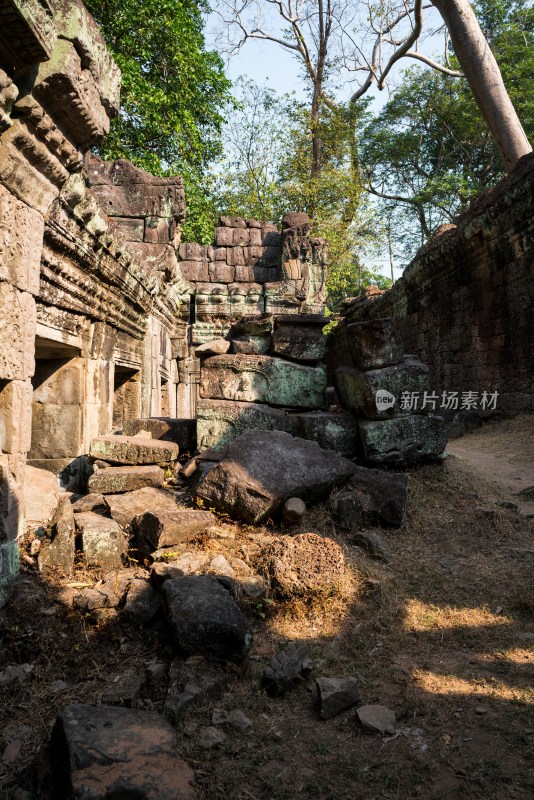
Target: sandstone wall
464 304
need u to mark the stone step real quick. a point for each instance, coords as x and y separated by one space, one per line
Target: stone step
133 450
181 431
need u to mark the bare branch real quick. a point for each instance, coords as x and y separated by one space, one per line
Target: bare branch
454 73
409 41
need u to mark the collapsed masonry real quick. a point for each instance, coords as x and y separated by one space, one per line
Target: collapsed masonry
109 322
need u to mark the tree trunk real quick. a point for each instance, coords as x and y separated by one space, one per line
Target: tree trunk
485 80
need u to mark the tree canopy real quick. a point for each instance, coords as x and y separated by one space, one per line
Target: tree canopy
174 93
428 152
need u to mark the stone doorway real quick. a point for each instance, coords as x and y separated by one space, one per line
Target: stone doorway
126 395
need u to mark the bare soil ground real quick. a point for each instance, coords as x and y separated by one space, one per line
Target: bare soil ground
443 635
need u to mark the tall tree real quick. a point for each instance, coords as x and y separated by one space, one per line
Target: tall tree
428 152
173 96
397 27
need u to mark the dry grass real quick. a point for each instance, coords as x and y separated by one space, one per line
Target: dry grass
437 635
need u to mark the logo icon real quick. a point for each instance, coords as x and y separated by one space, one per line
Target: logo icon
384 400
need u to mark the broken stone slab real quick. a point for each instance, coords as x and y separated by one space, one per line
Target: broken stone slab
402 440
336 695
157 529
370 495
205 619
180 431
376 719
91 502
125 507
305 565
217 347
287 668
133 450
263 379
299 337
125 479
377 394
190 683
263 469
107 593
41 495
57 550
103 542
211 737
142 602
107 751
374 344
332 431
186 564
251 345
221 421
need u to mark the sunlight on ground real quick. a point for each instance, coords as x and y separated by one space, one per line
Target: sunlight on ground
452 685
422 617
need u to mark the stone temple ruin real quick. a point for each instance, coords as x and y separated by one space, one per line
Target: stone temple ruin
112 325
146 383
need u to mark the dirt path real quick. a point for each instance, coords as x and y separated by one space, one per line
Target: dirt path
504 454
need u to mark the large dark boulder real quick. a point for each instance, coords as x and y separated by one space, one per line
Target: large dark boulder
263 469
205 618
370 496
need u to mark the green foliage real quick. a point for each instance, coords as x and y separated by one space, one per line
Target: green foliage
267 172
173 95
428 151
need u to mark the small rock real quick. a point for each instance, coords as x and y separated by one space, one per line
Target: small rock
218 347
218 716
12 751
195 681
57 687
239 721
253 588
186 564
220 566
294 511
287 667
16 672
91 502
125 688
377 719
481 710
336 695
372 543
211 737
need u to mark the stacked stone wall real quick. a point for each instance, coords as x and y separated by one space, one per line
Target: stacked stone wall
464 304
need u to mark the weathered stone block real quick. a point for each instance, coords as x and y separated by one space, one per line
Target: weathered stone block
71 96
337 432
374 344
299 337
124 479
56 430
12 469
236 257
304 565
27 33
21 243
190 251
131 228
159 230
57 552
41 495
168 429
263 469
220 272
241 237
252 345
133 450
103 542
17 344
402 439
155 529
336 695
125 507
245 274
221 421
223 237
15 416
361 392
117 752
263 379
205 618
232 222
194 270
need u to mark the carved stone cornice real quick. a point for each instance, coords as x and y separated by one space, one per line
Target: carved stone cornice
27 33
